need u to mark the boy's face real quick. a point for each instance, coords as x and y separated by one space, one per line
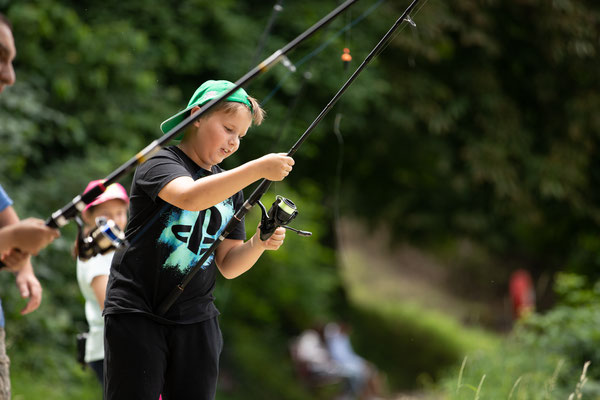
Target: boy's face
7 54
218 135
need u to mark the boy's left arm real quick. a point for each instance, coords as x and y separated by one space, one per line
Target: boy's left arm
234 257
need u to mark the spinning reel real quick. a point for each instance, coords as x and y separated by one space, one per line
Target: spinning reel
281 213
105 237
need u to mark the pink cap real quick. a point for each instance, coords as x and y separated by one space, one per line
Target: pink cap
114 191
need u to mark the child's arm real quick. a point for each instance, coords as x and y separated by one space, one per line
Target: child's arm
234 257
196 195
99 283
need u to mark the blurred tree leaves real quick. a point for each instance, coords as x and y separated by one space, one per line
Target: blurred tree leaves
490 132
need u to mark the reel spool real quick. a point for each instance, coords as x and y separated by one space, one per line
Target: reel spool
105 237
281 213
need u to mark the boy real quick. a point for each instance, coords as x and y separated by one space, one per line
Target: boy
180 202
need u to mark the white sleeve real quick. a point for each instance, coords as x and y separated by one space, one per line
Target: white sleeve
97 265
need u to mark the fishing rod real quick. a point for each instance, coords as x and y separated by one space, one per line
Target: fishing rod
283 210
62 216
277 8
109 235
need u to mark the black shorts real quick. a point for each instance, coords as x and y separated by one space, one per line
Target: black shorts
144 358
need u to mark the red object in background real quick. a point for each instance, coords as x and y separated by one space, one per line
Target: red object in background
522 294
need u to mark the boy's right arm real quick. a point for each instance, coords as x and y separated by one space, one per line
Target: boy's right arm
200 194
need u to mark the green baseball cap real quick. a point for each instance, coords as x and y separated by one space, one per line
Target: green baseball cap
208 91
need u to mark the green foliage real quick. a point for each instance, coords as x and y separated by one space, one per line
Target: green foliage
576 290
542 358
30 129
569 328
490 130
56 376
411 345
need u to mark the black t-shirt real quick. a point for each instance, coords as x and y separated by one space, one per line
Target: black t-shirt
165 242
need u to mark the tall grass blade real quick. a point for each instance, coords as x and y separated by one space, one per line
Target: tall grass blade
479 387
514 387
460 374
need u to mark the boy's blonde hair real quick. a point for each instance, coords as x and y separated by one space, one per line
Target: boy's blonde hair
258 114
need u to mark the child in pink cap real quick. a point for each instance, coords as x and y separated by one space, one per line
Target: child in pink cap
92 274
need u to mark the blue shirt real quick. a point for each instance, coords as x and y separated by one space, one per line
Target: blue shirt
5 201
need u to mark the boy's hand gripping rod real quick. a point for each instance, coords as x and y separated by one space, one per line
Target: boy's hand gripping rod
61 217
264 185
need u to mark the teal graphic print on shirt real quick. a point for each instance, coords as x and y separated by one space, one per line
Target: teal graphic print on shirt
188 234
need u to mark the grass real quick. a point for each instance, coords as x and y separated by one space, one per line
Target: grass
58 377
27 386
409 327
515 373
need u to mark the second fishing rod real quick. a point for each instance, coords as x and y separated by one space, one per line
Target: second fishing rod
283 207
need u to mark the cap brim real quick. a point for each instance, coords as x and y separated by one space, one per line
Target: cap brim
115 191
167 125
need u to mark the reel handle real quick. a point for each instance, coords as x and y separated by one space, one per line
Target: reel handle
298 231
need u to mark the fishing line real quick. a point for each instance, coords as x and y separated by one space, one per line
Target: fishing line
319 49
337 181
410 22
277 8
291 108
337 184
338 134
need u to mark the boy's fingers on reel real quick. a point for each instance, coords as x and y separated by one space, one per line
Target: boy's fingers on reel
278 234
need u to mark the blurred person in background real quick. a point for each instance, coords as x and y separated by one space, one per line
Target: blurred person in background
361 377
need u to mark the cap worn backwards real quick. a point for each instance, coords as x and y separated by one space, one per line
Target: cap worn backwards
208 91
